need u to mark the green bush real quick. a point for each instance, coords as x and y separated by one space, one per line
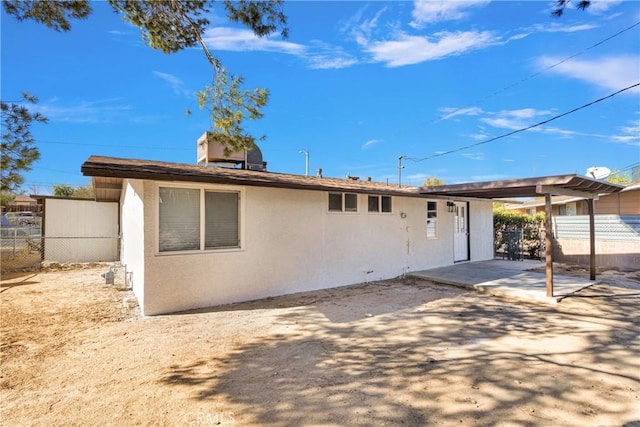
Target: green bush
530 226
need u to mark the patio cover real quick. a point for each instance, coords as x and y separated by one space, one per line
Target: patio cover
565 185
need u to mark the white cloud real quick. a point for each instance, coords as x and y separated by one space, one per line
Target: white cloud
100 111
321 55
480 136
407 49
629 135
239 40
175 83
555 27
450 112
430 11
370 143
362 30
317 54
601 6
474 156
515 119
610 72
549 27
523 118
322 62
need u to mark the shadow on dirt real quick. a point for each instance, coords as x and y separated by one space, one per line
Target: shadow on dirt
443 359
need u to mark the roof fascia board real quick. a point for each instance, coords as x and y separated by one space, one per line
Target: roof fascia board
248 181
560 191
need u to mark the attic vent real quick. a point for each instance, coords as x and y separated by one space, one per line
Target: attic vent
211 151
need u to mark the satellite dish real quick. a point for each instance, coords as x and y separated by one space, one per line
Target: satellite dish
598 172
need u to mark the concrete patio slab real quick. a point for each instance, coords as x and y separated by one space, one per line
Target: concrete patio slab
506 278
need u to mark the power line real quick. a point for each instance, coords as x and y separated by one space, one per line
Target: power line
627 168
56 170
534 75
112 146
525 128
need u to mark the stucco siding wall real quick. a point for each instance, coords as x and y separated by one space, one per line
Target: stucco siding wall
80 231
293 244
132 252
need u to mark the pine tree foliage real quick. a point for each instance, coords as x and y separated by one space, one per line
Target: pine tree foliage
561 5
54 14
18 148
173 25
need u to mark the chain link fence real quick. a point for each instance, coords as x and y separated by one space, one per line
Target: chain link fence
26 248
20 247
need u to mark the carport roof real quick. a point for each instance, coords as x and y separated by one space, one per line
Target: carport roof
569 185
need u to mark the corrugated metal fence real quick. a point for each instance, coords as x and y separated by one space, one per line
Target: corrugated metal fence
607 227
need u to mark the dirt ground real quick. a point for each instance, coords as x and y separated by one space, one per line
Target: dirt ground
398 352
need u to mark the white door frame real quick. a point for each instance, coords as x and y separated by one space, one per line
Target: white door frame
461 238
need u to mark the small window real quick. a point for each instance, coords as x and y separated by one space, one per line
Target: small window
432 220
335 202
350 202
373 204
379 204
386 203
179 225
343 202
221 220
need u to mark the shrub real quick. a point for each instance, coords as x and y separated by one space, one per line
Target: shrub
512 221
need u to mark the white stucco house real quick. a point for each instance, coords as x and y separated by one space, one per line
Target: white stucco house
196 236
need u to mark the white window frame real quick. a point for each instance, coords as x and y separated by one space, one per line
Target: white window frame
202 188
379 197
434 219
343 206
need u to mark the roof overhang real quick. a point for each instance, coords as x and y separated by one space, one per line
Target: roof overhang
107 189
108 173
566 185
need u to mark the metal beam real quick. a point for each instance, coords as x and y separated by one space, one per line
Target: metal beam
559 191
592 240
548 235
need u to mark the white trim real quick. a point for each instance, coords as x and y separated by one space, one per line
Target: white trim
437 220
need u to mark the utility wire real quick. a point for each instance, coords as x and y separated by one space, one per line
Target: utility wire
534 75
111 146
627 168
525 128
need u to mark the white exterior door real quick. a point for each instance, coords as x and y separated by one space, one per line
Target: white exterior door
461 233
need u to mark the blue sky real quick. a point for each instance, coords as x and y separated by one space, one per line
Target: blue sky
357 84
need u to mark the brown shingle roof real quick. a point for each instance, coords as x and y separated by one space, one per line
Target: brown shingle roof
118 168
